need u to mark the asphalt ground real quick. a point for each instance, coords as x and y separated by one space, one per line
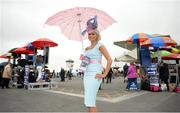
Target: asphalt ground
68 97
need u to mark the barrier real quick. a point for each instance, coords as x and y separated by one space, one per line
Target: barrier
38 85
53 85
54 82
42 85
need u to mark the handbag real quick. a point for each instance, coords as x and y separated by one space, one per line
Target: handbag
84 62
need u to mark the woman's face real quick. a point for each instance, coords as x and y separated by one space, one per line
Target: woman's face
92 36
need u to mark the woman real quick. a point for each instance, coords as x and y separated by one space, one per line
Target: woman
93 74
132 75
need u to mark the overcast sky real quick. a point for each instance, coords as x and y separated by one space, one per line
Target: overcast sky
22 22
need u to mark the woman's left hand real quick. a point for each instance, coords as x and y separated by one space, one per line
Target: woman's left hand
99 76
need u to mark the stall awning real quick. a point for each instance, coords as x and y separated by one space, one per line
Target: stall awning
125 45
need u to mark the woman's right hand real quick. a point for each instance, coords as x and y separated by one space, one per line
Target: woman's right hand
81 57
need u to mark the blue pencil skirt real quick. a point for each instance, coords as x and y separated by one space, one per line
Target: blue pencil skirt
91 87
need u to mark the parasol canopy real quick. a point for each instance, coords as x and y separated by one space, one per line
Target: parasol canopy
23 50
44 42
73 21
159 41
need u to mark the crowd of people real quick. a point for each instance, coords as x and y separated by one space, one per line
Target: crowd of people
132 74
137 77
17 75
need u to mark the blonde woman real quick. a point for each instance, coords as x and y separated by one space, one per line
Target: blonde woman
94 71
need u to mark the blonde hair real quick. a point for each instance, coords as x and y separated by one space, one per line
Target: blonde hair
97 33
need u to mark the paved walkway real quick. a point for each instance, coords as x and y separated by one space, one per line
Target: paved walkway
112 98
112 92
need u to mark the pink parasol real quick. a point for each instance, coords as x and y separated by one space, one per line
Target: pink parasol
73 21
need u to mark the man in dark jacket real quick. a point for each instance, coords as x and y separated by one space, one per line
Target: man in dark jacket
62 74
164 74
125 70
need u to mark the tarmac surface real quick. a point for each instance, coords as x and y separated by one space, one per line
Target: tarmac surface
111 92
68 97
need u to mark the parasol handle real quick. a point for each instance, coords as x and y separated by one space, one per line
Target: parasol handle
79 21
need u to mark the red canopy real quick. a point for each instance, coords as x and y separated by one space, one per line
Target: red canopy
44 42
172 56
23 50
6 56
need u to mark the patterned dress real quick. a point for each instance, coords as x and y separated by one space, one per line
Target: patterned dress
91 84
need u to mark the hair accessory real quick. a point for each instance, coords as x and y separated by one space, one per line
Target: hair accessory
91 25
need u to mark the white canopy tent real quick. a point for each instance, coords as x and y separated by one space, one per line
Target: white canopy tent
130 56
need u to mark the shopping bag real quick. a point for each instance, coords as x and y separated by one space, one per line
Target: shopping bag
163 87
